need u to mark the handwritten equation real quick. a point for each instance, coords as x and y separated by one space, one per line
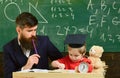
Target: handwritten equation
62 9
64 30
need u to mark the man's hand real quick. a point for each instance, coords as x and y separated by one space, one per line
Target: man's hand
33 59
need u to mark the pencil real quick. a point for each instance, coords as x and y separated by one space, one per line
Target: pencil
34 46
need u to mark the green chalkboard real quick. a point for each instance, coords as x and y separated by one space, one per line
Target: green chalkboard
99 19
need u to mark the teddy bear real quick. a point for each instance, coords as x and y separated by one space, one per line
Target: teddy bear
95 54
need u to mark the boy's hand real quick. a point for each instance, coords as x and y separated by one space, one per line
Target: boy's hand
61 66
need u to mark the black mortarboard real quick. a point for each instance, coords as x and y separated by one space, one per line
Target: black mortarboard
75 40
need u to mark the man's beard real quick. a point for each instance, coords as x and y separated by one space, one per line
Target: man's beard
27 42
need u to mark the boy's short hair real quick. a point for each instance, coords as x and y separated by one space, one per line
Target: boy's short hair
82 49
26 19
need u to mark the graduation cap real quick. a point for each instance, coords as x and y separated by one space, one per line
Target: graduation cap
75 40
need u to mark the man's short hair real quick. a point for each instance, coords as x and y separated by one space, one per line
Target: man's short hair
26 19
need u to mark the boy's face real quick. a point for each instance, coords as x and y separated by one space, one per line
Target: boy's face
75 55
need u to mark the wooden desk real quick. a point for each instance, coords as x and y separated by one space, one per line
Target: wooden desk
55 75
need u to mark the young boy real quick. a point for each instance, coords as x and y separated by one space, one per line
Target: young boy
76 53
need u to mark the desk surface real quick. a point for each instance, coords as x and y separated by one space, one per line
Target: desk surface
55 75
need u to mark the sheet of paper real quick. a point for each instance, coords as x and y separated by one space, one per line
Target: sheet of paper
49 71
34 70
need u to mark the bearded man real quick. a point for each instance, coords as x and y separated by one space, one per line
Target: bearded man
28 50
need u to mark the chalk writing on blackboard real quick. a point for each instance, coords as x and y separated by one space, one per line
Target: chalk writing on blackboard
7 6
31 6
100 19
62 11
104 9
